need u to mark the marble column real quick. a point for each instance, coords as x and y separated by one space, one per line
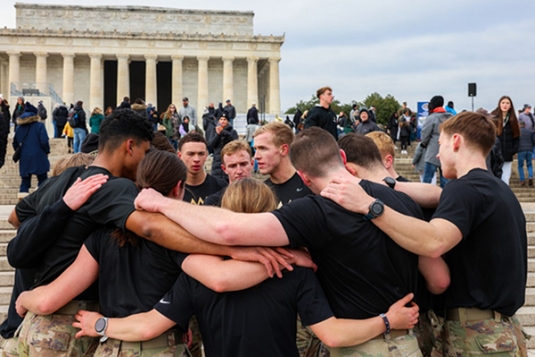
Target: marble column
95 82
41 81
151 88
176 85
202 90
4 79
68 78
274 86
228 79
252 80
14 70
123 77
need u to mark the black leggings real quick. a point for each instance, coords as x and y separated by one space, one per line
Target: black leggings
404 142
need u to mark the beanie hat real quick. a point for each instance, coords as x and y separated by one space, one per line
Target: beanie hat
364 110
436 102
90 144
29 111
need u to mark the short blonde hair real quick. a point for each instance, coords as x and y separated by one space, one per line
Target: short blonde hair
65 162
384 142
282 133
233 147
249 196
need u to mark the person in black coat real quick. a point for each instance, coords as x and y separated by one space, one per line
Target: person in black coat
219 111
5 119
508 133
252 115
18 110
60 115
392 127
224 133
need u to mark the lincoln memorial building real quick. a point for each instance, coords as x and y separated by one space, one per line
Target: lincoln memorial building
99 54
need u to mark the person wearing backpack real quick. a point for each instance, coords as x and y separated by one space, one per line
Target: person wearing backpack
41 110
60 115
78 122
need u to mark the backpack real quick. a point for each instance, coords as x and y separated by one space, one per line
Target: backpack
73 119
42 112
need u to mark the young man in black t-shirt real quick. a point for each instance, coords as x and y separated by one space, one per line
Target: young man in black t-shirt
272 151
193 150
237 163
321 115
360 269
480 228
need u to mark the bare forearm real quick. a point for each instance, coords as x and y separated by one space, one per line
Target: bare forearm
157 228
344 332
224 275
413 234
436 274
425 195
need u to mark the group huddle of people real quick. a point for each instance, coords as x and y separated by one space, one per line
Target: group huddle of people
140 252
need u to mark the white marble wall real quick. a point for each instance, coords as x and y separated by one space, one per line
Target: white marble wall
133 19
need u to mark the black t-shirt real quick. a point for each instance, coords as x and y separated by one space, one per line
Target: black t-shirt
197 194
259 321
290 190
133 277
361 269
111 204
489 266
215 199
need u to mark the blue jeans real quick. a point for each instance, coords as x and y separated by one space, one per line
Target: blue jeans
430 170
525 156
79 136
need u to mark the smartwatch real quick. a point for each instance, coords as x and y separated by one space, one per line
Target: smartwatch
376 209
100 327
390 182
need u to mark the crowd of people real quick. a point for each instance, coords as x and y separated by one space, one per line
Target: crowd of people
136 250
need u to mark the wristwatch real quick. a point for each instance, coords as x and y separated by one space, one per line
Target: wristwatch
390 182
100 327
376 209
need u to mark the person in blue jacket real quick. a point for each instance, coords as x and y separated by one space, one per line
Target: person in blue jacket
32 135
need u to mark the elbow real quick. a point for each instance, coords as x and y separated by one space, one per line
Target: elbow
227 233
220 285
45 307
145 334
439 286
332 341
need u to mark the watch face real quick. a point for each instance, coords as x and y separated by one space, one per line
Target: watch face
377 209
390 181
100 325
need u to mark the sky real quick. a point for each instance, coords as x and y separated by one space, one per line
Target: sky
411 49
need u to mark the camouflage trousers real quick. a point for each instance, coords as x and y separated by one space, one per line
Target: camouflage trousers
52 335
169 344
9 347
308 344
429 331
196 340
383 346
500 336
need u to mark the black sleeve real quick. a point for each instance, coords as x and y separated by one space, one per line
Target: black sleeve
94 242
311 120
36 234
460 203
177 304
113 202
216 138
304 222
312 305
